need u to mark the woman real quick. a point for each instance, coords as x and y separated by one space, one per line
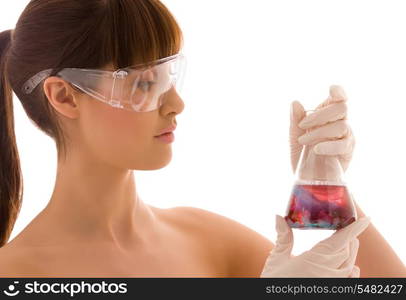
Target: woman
64 56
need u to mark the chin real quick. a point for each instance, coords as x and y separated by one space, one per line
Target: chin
156 165
162 164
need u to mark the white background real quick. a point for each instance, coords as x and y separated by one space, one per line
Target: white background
247 60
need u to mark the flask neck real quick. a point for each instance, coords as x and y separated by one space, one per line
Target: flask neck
319 168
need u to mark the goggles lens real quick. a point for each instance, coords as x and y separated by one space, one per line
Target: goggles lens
139 89
145 90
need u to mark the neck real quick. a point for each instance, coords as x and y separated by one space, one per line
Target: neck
98 202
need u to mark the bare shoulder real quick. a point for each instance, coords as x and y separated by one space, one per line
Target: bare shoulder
13 262
240 248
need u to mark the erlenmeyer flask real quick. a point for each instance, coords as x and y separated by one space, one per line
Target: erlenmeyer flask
320 198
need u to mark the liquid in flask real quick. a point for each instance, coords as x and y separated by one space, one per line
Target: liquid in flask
320 198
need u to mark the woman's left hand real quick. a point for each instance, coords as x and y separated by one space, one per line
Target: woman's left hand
326 128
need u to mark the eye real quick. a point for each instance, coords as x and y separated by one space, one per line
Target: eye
145 85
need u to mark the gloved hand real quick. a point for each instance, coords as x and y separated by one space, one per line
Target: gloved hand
332 257
326 129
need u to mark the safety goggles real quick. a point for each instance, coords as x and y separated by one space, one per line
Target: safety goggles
140 88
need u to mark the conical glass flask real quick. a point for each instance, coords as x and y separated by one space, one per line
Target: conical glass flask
320 198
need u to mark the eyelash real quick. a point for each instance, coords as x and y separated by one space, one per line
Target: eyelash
142 83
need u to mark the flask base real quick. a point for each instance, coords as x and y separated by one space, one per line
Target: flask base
320 207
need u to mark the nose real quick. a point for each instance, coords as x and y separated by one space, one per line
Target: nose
172 102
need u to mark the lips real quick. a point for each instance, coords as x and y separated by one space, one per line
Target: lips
169 129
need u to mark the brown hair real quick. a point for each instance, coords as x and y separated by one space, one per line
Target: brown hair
69 33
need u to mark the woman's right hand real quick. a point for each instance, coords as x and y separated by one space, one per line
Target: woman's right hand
332 257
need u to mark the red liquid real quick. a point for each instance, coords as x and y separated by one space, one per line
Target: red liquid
320 207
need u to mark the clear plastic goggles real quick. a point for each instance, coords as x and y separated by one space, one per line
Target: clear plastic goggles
139 88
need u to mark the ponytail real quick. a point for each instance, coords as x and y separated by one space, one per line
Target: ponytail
10 171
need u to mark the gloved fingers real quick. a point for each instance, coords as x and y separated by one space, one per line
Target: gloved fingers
341 237
324 103
273 263
356 272
330 260
335 272
336 130
330 113
297 113
323 271
284 243
345 159
342 272
350 261
336 94
339 147
270 264
328 110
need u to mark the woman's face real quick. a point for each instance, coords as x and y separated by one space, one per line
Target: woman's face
126 139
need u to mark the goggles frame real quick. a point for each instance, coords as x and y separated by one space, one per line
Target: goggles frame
87 81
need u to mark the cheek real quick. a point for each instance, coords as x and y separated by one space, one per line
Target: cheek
129 130
118 136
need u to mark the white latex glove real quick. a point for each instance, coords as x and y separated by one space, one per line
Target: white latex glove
326 129
332 257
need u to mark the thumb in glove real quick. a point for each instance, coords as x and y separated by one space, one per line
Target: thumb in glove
282 250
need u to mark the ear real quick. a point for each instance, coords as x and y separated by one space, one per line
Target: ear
61 96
